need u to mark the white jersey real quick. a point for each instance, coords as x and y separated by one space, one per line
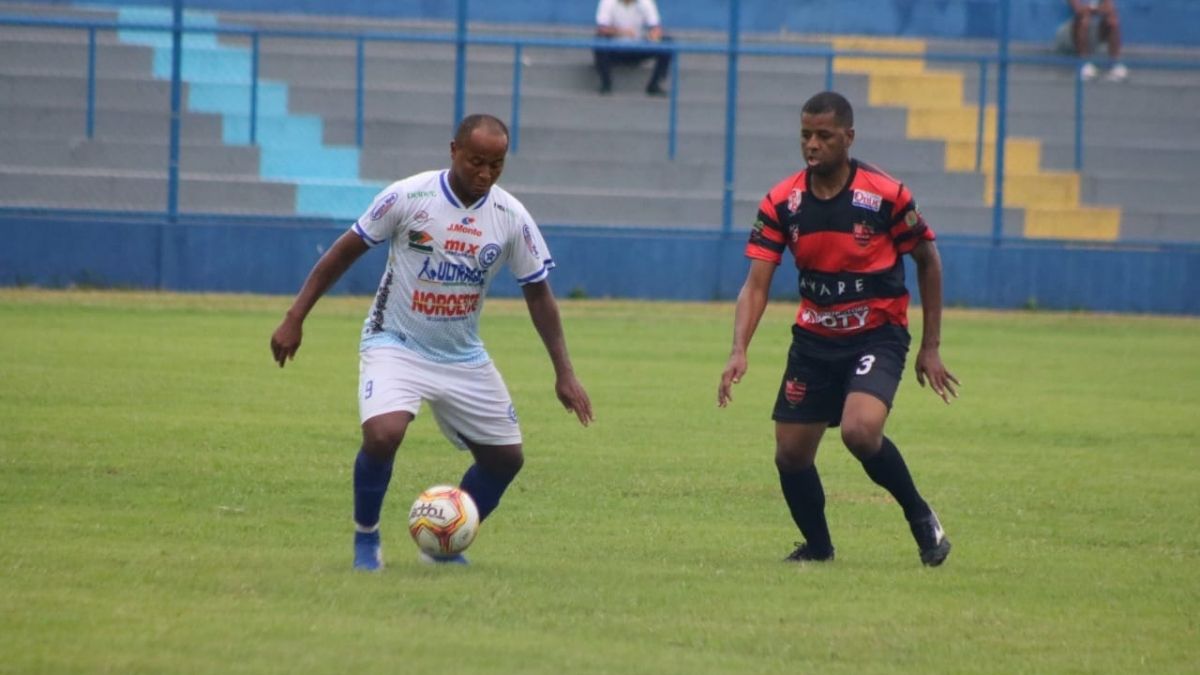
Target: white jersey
442 259
636 16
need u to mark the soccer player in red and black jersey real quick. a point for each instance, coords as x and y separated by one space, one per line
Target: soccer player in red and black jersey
848 226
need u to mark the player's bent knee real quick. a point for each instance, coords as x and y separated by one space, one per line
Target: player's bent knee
862 440
502 460
792 462
382 435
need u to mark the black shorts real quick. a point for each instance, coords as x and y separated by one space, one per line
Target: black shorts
822 372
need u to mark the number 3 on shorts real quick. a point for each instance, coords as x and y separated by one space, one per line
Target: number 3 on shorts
864 364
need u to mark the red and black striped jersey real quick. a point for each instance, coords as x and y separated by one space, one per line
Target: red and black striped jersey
848 249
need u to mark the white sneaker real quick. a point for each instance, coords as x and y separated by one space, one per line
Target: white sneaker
1088 72
1118 73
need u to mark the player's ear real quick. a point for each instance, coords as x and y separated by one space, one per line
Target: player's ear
849 137
453 149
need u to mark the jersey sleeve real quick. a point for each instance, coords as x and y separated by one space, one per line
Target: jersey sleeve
529 257
384 218
650 13
767 239
908 226
604 13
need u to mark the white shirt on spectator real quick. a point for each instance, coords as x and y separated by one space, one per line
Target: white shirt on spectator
637 16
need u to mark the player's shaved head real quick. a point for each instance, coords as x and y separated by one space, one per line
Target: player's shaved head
472 122
831 102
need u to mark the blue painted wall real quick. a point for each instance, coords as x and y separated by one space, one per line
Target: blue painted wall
631 263
1143 21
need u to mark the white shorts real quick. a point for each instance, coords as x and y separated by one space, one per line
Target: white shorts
468 400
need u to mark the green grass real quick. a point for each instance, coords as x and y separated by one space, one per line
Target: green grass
172 502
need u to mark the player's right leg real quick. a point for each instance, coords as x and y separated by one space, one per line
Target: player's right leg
809 400
795 454
389 398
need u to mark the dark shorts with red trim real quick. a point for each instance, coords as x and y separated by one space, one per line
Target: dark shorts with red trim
821 372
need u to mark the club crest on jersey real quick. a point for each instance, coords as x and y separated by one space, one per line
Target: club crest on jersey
420 241
488 255
862 234
867 200
912 217
794 391
384 205
794 200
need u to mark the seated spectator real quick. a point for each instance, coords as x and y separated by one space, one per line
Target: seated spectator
1093 22
630 21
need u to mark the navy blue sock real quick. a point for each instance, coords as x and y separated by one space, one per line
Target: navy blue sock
371 478
485 488
805 498
887 468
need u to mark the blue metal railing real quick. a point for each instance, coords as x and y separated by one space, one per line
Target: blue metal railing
732 50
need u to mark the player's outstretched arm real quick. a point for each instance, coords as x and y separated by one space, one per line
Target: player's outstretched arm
285 341
929 362
751 303
543 309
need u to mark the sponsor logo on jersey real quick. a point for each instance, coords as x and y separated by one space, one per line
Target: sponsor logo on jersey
421 217
758 225
384 205
862 234
466 227
450 274
499 206
381 299
512 413
794 200
794 391
912 217
853 318
832 289
867 200
422 194
451 305
461 249
420 241
794 232
529 240
489 254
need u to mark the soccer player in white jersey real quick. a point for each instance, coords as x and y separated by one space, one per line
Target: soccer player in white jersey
449 232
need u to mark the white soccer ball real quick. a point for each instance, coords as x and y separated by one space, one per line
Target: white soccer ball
443 521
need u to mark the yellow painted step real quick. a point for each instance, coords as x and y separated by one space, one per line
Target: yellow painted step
1021 155
873 65
1042 189
1096 223
927 89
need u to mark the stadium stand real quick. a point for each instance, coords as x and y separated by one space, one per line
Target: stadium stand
581 159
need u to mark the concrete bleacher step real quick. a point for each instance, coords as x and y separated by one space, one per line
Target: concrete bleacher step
125 155
108 189
109 122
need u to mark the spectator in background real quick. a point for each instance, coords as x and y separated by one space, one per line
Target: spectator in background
1097 21
630 21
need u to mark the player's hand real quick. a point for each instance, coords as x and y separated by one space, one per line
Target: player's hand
941 381
734 370
286 340
574 398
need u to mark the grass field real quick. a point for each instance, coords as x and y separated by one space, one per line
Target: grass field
172 502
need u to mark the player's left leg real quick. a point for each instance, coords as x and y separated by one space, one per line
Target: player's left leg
476 413
862 432
494 469
872 387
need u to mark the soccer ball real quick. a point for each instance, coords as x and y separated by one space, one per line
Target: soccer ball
443 521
